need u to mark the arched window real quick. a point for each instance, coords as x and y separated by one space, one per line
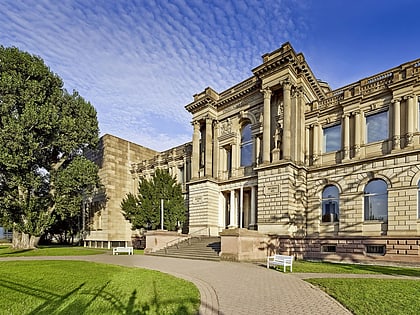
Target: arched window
246 145
376 200
330 204
418 199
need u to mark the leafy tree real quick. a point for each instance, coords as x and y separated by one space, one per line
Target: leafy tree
143 210
44 132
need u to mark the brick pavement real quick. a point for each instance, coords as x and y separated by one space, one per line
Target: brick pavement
236 288
231 288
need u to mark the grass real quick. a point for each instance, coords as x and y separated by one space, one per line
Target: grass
76 287
55 250
364 296
374 296
325 267
7 251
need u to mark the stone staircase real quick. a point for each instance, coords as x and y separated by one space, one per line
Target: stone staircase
202 248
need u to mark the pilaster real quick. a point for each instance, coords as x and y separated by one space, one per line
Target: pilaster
195 160
346 134
410 119
209 147
266 124
396 138
287 120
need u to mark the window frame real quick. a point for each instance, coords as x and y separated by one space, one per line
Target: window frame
330 217
418 199
326 145
245 145
370 197
370 116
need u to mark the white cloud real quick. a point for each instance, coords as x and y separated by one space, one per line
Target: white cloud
140 62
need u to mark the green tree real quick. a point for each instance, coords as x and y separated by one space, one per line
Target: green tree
144 210
44 132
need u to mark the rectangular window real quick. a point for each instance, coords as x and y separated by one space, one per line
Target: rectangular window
375 249
332 138
329 248
377 127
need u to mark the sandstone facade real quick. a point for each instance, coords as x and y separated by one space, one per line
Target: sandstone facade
320 173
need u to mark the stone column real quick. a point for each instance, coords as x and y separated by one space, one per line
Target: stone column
257 150
235 157
241 206
287 120
232 218
209 147
316 153
195 159
357 133
266 125
346 144
253 207
301 126
307 147
410 119
216 149
396 138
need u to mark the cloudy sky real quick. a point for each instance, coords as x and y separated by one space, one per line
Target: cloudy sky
139 62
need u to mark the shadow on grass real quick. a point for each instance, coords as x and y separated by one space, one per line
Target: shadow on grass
14 252
80 301
329 267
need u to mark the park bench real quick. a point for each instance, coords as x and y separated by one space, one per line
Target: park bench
117 250
280 260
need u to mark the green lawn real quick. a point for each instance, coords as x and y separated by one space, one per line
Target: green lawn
7 251
75 287
367 296
325 267
374 296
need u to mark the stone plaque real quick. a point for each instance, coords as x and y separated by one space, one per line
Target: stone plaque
271 190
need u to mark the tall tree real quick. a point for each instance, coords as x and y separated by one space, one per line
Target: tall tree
144 210
44 132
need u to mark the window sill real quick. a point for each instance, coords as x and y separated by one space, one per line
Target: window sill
374 221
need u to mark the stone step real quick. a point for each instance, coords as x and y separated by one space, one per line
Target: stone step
204 248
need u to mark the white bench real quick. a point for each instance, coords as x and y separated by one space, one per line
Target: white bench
280 260
117 250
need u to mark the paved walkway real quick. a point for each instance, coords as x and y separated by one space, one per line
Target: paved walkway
232 288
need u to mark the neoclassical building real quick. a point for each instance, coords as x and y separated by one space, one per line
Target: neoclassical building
315 172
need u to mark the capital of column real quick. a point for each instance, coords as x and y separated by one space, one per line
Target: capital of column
407 97
396 100
267 92
286 84
209 120
297 92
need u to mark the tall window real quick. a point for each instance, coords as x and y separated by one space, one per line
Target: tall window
332 138
246 145
229 160
376 200
418 115
330 204
418 199
377 127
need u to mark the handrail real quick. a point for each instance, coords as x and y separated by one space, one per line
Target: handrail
177 240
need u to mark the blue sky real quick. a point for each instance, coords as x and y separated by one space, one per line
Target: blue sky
139 62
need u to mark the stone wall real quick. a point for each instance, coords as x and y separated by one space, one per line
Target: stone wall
114 158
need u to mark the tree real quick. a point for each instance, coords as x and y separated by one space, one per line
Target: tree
44 133
143 210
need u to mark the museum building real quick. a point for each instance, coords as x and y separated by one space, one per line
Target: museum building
280 162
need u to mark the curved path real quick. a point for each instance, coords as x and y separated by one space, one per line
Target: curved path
231 288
